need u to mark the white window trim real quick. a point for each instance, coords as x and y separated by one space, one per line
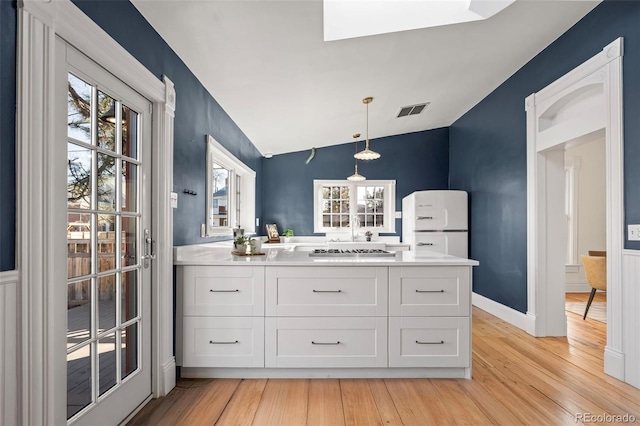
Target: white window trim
389 204
218 154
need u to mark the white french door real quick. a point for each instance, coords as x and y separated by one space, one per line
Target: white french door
109 246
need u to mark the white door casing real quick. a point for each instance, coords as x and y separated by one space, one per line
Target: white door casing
40 399
580 106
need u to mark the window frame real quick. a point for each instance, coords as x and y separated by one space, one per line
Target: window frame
389 204
246 200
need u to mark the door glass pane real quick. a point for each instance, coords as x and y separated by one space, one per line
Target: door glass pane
106 242
107 367
106 122
106 182
129 132
129 187
129 244
79 110
106 303
79 380
78 177
129 350
78 312
129 295
78 244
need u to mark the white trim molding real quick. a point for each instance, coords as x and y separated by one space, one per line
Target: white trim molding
9 349
629 360
505 313
550 124
39 22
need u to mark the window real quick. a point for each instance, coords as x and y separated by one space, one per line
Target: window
231 189
369 205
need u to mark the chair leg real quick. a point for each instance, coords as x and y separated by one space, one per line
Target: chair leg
593 293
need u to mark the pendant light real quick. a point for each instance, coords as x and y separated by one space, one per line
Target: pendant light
367 154
356 177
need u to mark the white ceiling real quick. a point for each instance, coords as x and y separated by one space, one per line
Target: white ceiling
267 65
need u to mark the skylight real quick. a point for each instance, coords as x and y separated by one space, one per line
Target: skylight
357 18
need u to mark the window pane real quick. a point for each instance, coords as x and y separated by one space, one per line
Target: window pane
379 218
78 244
79 110
106 121
326 207
326 220
129 132
129 187
344 221
106 303
219 214
107 363
106 242
335 192
129 350
79 380
78 177
129 295
78 312
326 192
129 245
106 182
344 207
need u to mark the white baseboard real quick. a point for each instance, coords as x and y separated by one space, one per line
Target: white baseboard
169 377
505 313
577 287
614 363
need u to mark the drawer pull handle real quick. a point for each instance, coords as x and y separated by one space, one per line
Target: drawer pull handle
429 291
223 291
425 244
441 342
211 342
325 343
425 217
327 291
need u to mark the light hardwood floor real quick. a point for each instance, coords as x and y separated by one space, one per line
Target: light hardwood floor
517 379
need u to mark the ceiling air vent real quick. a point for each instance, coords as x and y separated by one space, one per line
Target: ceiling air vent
412 110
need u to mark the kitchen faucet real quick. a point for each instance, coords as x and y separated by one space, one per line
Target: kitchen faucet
355 222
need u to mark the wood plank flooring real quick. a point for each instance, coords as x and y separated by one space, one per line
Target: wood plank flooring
517 380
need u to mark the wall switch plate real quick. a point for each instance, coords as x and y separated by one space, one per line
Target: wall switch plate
398 215
203 230
257 222
633 232
174 200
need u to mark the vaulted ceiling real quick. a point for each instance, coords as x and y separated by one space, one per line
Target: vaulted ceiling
267 64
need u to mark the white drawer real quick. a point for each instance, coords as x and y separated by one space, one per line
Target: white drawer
338 291
223 290
326 342
429 291
452 243
223 342
429 342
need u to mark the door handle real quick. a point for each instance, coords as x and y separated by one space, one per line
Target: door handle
425 244
149 248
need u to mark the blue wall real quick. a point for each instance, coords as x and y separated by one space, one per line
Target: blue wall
7 134
488 149
415 160
197 114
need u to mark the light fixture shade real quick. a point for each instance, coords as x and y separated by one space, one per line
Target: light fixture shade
367 154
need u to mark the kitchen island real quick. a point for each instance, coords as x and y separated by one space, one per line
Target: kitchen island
289 314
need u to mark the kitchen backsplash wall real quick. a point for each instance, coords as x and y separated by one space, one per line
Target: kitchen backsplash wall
197 114
488 149
416 161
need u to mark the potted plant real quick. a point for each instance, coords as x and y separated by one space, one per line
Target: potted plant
240 243
287 234
368 234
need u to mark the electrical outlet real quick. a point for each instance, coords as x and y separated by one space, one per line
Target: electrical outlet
634 232
398 215
174 200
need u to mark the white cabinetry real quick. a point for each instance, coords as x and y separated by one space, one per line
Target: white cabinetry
222 319
430 323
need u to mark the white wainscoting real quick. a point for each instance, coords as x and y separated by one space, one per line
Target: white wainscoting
631 318
9 348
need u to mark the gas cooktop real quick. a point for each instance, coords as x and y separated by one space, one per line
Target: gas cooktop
351 252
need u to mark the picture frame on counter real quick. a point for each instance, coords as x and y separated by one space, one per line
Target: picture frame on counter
272 233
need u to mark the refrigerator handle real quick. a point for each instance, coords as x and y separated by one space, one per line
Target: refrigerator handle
424 218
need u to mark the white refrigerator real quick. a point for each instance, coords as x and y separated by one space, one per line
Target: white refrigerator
436 221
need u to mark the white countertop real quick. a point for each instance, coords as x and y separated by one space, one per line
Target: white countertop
211 255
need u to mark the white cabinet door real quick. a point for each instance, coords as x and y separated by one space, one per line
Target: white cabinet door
326 342
323 291
222 290
429 290
429 342
223 342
